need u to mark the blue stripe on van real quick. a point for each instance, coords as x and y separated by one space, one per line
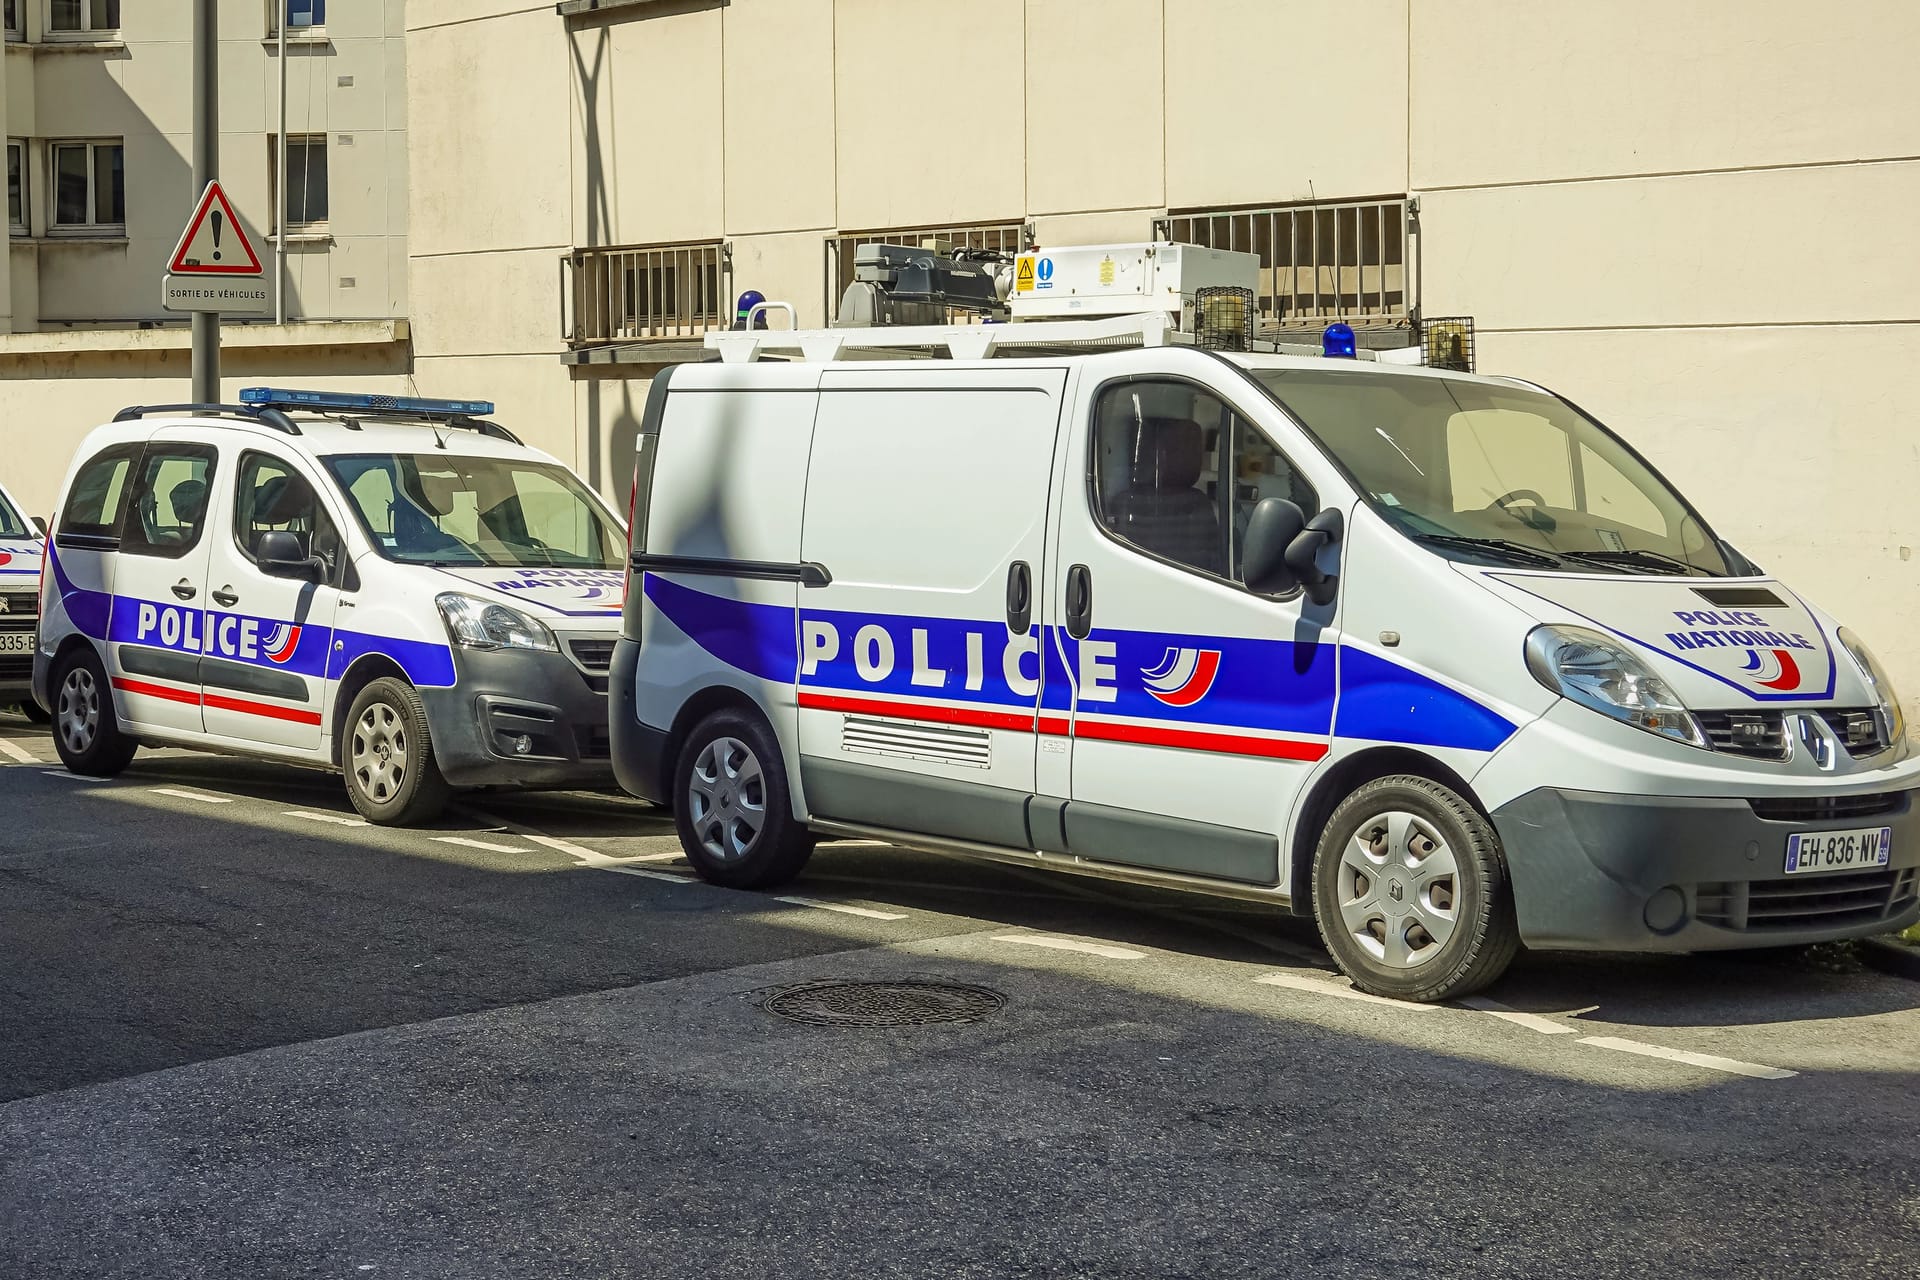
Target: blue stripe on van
1386 702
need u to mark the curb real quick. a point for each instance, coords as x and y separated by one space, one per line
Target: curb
1891 957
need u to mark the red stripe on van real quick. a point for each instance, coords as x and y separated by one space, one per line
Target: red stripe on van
296 715
146 690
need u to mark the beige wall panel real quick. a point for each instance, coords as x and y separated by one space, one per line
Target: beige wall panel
1516 90
646 97
80 96
24 289
81 281
487 304
366 20
158 83
1795 245
357 180
1095 105
1122 226
532 394
18 101
1281 100
949 152
786 268
609 431
316 100
394 89
249 90
421 14
779 114
476 135
1795 443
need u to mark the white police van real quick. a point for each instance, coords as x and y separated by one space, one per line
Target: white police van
393 587
1434 657
21 542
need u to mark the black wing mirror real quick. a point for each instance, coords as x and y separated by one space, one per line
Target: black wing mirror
279 556
1303 555
40 523
1271 530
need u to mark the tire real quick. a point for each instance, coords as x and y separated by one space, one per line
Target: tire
386 753
33 712
732 807
86 732
1410 891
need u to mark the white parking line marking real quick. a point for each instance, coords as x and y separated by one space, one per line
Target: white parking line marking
1320 987
1709 1061
18 753
201 796
844 909
488 845
336 819
667 876
1072 944
1531 1021
70 777
603 862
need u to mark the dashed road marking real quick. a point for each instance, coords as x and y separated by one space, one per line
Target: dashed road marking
1531 1021
844 908
201 796
1321 987
336 819
72 777
1101 949
1710 1062
17 753
488 845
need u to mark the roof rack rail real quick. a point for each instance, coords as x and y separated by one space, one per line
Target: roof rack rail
264 414
350 407
957 341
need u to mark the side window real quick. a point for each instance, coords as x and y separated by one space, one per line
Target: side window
274 498
1177 473
96 499
169 502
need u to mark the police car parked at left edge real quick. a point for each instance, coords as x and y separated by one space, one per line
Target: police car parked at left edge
394 588
21 542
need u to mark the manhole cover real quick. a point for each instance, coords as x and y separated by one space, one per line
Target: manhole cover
882 1004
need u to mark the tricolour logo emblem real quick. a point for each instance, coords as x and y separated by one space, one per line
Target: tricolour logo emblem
1773 668
1183 677
279 646
6 557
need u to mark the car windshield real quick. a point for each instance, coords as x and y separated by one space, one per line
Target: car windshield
11 525
441 509
1494 474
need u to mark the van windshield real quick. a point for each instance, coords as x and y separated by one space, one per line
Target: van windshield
11 525
441 509
1501 475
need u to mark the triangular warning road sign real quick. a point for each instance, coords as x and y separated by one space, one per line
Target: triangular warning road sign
214 243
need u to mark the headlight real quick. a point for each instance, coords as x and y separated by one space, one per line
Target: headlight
476 624
1892 722
1595 671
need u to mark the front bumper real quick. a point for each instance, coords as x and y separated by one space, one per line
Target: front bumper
501 696
1594 871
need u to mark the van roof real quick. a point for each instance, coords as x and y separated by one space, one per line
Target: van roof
321 435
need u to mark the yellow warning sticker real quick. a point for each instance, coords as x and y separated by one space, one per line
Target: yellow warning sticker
1023 276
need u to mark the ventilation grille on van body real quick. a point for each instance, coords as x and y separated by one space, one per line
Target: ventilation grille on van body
942 743
1807 902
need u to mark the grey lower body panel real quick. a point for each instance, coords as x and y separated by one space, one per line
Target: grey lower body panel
1171 844
501 697
915 802
1648 873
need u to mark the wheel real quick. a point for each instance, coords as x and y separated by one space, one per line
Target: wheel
1410 891
387 755
85 731
733 812
31 710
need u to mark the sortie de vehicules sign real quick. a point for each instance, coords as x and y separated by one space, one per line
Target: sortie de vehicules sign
214 267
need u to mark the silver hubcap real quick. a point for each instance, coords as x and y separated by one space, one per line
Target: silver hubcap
379 755
77 717
727 799
1399 890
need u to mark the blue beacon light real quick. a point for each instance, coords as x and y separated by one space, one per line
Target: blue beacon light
1337 341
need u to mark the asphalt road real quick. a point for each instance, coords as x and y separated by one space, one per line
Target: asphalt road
240 1037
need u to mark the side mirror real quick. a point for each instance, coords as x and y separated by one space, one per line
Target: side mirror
40 523
1303 555
1271 530
279 556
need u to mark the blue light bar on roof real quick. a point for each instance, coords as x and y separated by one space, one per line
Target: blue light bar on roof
349 402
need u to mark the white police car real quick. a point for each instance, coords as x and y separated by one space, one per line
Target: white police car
21 542
1435 658
393 587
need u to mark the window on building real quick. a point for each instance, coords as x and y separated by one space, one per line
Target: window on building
1177 473
306 179
89 186
627 292
303 17
1318 262
14 18
1001 237
83 17
17 186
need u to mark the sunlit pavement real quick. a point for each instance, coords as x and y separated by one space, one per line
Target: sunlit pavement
243 1034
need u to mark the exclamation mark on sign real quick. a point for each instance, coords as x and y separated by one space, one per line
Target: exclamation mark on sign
215 216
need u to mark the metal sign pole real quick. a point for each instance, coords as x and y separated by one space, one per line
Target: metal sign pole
206 167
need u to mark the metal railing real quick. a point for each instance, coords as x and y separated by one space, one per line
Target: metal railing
634 293
1003 237
1318 262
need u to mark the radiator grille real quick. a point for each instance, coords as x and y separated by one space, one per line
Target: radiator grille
594 655
1828 808
16 666
1758 735
1807 902
946 744
23 610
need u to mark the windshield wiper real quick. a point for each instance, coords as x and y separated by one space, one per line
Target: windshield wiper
1514 552
1636 558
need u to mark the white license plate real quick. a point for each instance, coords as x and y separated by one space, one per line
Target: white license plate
1810 851
16 642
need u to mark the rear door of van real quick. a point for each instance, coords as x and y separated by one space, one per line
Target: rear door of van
920 671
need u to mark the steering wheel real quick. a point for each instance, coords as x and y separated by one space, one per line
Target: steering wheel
1535 517
1507 499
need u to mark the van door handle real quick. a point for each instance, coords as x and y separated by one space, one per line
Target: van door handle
184 590
1019 598
1079 601
225 598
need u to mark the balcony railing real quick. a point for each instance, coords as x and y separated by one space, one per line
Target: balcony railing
645 292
